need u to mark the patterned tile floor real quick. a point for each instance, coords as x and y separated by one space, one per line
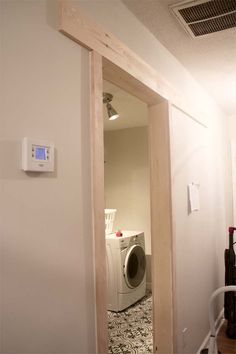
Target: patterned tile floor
130 331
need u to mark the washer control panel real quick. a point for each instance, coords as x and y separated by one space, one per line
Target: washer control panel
37 155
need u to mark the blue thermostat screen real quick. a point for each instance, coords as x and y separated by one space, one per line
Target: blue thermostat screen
40 153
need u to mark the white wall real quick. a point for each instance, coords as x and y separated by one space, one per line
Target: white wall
127 179
46 246
47 270
200 236
231 125
232 137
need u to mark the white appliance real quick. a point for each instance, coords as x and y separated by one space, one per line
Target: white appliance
126 269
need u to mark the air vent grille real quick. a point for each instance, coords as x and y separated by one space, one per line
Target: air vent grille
203 17
208 9
214 25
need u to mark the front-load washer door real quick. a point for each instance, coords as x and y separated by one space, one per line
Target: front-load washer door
134 266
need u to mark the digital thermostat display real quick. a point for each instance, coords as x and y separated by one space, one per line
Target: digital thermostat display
37 155
40 153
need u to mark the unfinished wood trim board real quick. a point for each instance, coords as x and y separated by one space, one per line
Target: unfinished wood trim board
161 227
124 80
75 24
122 67
97 183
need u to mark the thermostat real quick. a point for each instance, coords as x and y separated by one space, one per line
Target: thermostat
37 155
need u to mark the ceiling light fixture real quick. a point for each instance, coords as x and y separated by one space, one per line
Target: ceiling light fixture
107 98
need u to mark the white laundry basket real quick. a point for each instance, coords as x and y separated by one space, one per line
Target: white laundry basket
109 220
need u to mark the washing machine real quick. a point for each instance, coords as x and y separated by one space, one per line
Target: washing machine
126 269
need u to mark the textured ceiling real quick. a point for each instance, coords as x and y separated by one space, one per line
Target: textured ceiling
211 59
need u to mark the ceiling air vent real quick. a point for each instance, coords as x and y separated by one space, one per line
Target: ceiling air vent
202 17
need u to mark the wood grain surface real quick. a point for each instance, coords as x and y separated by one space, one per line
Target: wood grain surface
225 344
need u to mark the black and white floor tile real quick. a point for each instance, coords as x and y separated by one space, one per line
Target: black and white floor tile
130 331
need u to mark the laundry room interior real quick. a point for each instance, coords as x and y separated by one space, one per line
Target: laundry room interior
127 203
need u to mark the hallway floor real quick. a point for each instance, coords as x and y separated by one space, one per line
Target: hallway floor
225 344
130 331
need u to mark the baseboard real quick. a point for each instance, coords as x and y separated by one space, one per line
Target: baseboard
218 323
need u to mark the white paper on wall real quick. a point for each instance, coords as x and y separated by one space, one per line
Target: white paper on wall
193 192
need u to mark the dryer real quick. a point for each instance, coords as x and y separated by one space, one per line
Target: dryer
126 269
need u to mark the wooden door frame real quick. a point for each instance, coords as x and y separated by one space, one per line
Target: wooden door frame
112 60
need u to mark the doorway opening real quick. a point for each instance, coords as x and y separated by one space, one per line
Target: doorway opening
112 60
128 242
